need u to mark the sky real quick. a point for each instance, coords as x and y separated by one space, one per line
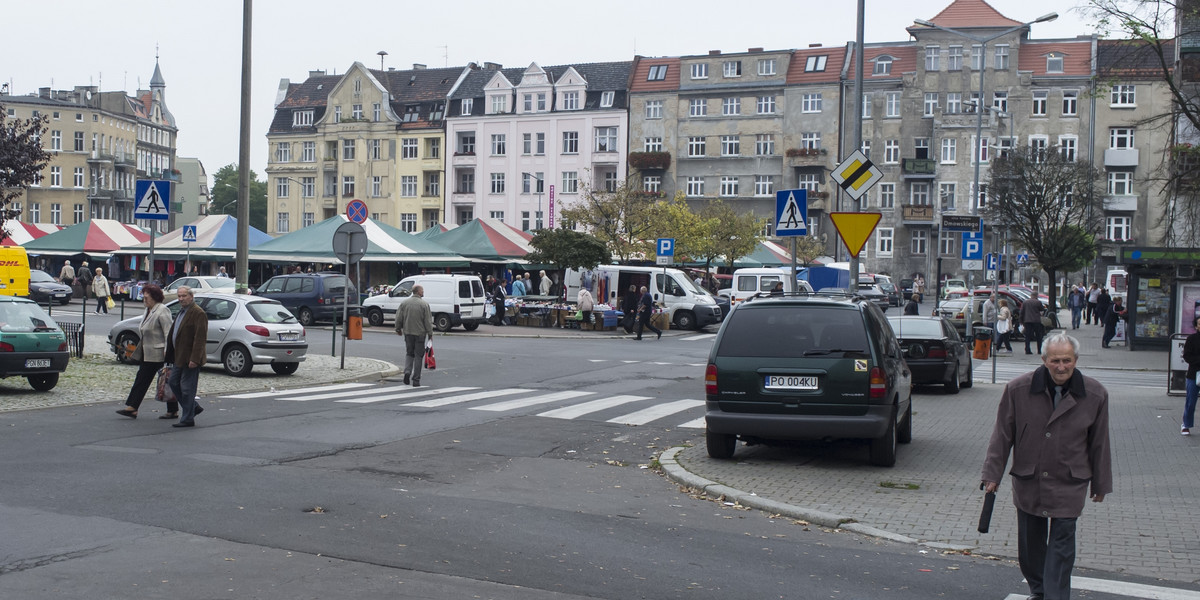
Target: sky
64 43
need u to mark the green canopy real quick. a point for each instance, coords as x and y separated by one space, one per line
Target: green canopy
384 244
487 240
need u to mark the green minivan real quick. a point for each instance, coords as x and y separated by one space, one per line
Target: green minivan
31 344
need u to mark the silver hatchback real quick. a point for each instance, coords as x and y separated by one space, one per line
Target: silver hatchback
242 331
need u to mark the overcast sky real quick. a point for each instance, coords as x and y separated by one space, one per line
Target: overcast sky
64 43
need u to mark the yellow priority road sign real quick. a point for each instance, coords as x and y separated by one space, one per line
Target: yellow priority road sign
855 228
857 174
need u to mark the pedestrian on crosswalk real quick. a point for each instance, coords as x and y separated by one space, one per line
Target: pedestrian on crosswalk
414 321
645 311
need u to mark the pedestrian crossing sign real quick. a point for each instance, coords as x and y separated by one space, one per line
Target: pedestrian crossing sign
791 212
153 199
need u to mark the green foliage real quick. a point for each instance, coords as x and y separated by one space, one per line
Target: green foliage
225 195
567 249
621 220
692 232
22 159
731 234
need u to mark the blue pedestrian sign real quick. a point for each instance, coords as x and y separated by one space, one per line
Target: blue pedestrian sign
972 245
666 246
189 233
153 198
1023 259
993 262
791 212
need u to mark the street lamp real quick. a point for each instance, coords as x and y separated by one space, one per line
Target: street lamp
537 181
303 199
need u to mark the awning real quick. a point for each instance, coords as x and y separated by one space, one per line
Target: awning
487 241
216 238
95 238
384 244
20 233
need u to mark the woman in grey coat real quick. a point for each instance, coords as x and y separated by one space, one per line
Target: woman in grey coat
151 352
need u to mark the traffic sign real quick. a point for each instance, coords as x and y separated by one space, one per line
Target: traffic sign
961 223
791 212
665 260
356 210
972 246
972 265
855 228
350 242
153 199
1023 260
666 246
993 261
857 174
189 233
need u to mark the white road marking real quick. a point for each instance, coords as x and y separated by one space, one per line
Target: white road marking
578 410
1132 590
702 336
469 397
410 393
693 424
347 394
644 416
342 386
597 360
533 401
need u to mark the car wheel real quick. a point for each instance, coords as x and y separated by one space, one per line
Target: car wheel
441 322
305 316
904 430
124 340
970 375
883 449
284 368
720 445
952 383
470 326
43 383
236 360
684 319
375 317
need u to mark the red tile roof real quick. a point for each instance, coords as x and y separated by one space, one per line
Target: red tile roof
972 13
1077 57
836 57
904 60
641 68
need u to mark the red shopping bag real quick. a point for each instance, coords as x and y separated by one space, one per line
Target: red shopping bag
430 360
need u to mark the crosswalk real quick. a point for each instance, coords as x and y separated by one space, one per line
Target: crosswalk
1107 588
621 409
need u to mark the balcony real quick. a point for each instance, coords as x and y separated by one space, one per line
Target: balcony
605 158
1121 203
100 157
644 161
916 214
95 194
463 158
918 168
1121 157
805 157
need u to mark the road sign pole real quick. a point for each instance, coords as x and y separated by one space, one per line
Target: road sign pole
149 268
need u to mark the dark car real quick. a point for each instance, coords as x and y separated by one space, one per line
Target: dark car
893 293
807 366
31 344
44 288
311 297
906 288
934 351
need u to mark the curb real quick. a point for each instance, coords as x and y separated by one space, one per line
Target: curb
675 472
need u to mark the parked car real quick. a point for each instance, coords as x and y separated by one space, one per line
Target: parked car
311 297
934 351
31 344
954 285
199 285
892 292
906 287
802 366
44 288
955 311
242 331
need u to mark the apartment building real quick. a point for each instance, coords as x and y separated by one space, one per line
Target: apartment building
192 196
526 142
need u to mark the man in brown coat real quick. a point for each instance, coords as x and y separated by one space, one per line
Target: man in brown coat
1054 422
1031 319
186 353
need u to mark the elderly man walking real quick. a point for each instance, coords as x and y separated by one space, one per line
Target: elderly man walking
414 320
1031 320
1054 422
186 352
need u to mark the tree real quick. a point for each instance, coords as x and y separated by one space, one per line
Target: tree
225 195
568 249
620 219
22 159
732 234
1050 206
692 232
808 248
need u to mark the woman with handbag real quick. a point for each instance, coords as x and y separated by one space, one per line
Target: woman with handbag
1004 327
102 291
151 351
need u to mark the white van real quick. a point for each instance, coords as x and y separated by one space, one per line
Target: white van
750 281
454 300
690 306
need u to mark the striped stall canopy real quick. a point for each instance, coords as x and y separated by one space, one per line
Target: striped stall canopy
96 238
384 244
487 240
19 233
216 238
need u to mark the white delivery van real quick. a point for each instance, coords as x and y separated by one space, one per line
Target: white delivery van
690 306
453 299
750 281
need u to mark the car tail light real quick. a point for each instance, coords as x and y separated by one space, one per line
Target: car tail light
320 299
258 330
878 383
937 352
6 347
960 315
62 347
710 379
457 309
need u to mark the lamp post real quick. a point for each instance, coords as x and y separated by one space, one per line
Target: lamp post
303 200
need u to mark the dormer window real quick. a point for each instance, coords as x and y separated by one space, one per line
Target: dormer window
815 64
302 118
733 68
606 99
1054 62
657 73
499 105
883 65
467 105
570 101
412 113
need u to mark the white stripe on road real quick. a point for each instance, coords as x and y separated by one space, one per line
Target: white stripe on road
347 394
468 397
572 412
342 386
703 336
693 424
410 393
597 360
644 416
1133 590
534 401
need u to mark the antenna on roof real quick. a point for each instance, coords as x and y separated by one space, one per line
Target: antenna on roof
381 53
445 56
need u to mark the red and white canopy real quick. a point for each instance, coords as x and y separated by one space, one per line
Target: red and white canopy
20 233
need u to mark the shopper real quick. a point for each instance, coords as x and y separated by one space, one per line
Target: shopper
629 307
1114 315
414 321
645 312
102 291
913 306
1191 354
586 303
1004 326
1093 296
186 353
1076 301
151 352
1031 321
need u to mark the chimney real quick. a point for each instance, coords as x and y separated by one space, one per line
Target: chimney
714 52
44 92
814 45
418 66
755 50
491 66
317 73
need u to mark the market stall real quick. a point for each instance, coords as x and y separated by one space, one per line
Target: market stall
1164 294
20 233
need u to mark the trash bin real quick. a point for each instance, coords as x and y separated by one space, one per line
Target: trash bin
354 327
983 343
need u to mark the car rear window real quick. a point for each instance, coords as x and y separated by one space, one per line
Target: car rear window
24 317
923 328
335 286
270 312
788 331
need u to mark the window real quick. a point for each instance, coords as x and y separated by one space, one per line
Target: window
1067 147
302 118
947 194
606 139
651 184
866 104
56 140
497 183
946 242
695 186
466 182
954 58
931 103
283 152
376 111
526 144
657 73
309 219
1037 146
468 104
982 149
697 107
500 104
499 144
1124 95
731 106
409 147
35 212
815 64
981 198
891 151
78 178
570 143
308 152
356 111
808 181
1118 229
700 71
1039 103
949 150
866 148
654 109
433 183
281 187
55 176
347 149
731 145
883 65
570 182
733 68
931 57
810 140
525 220
283 223
79 141
1120 137
497 215
347 185
766 105
1001 61
652 144
570 101
892 104
1054 63
308 187
921 147
695 146
919 242
433 148
1120 183
810 103
408 222
766 66
953 103
918 195
729 186
466 142
77 212
337 114
764 144
610 181
1070 103
976 57
764 185
1000 101
887 195
377 186
884 238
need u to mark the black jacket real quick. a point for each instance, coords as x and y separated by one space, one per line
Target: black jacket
1191 354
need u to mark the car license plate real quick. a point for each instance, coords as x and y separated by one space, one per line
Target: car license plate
791 382
37 363
289 337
